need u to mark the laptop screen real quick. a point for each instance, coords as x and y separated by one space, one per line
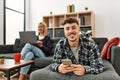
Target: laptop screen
28 37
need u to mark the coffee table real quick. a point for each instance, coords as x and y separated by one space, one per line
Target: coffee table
10 65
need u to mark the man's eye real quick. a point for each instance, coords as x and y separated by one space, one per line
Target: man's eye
73 27
67 28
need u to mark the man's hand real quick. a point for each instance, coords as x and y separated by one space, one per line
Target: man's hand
78 69
40 43
64 68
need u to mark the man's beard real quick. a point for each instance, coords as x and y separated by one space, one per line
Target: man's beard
72 37
73 40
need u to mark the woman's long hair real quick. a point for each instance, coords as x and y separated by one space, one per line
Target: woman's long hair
45 28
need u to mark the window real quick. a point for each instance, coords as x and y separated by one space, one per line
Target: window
14 20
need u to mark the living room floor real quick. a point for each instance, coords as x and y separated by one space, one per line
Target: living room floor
15 77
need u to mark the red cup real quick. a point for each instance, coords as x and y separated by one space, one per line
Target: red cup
17 57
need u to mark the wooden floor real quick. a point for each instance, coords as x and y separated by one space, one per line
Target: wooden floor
13 77
4 78
10 79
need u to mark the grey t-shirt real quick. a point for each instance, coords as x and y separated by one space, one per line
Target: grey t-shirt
75 52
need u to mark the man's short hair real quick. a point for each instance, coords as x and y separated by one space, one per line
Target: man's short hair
70 20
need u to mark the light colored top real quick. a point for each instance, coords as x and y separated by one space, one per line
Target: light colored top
75 52
41 37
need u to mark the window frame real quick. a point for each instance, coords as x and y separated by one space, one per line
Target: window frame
4 21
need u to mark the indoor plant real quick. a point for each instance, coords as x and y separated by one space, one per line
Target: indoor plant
2 59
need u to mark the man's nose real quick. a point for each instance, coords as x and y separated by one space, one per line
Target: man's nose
70 30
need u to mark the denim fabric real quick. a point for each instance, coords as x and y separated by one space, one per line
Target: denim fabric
29 52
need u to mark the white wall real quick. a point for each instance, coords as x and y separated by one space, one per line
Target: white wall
1 21
107 13
28 14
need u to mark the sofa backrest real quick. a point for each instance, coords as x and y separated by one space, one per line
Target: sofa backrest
55 40
100 41
17 47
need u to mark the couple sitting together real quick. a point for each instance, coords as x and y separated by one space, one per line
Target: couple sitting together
82 51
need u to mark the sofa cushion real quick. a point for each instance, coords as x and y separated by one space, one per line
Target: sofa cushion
42 62
115 58
47 74
6 48
8 55
17 47
100 41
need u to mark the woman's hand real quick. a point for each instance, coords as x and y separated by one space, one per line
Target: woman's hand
40 43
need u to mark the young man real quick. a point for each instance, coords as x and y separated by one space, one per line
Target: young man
83 53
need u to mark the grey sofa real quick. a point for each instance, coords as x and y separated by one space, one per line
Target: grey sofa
43 69
111 72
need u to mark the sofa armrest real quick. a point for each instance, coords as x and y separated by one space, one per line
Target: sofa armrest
115 58
6 49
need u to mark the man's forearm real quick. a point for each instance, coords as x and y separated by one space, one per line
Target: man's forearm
55 67
94 70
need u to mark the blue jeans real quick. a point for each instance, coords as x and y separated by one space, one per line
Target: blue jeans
29 52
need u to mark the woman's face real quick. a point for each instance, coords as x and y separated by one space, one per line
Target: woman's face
40 28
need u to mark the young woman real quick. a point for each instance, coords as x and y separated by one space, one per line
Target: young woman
43 48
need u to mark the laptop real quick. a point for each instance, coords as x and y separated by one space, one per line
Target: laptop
27 37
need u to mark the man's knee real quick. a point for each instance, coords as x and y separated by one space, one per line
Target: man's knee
27 45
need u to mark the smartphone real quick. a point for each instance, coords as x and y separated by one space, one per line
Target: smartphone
66 62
